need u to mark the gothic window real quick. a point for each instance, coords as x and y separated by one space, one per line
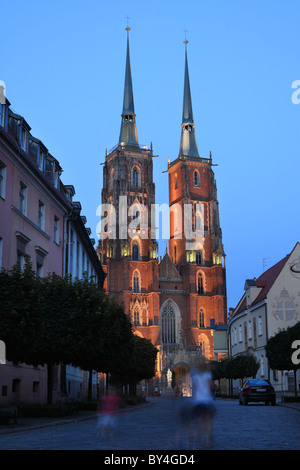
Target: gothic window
202 347
135 178
168 328
135 252
201 319
136 316
196 178
136 282
199 257
200 284
175 180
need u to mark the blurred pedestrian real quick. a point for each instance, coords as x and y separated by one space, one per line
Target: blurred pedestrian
108 406
197 414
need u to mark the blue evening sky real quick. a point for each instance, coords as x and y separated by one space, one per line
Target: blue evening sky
63 63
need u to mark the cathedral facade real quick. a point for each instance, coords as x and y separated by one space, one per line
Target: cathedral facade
178 300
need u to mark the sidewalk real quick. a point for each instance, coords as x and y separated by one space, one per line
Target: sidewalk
28 424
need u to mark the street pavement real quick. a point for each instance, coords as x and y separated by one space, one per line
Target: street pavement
155 425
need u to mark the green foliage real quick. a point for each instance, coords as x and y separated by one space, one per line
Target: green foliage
52 320
279 348
137 360
238 367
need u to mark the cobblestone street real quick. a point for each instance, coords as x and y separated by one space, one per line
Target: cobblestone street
155 426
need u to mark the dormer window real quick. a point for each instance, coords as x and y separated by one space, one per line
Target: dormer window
41 160
24 138
2 115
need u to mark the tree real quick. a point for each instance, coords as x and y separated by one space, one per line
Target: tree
279 350
137 361
51 320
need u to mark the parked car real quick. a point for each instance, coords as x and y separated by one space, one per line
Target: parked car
254 390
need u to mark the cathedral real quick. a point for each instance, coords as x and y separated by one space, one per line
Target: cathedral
177 301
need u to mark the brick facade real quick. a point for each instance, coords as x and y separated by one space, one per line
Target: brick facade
172 301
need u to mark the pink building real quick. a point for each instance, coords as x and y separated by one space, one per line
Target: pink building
34 210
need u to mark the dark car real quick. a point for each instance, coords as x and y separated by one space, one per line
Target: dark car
254 390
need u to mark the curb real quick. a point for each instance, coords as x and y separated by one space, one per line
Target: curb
67 421
290 405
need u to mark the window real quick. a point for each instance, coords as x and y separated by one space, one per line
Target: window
168 327
175 180
201 345
2 113
259 326
199 257
16 385
136 282
56 231
41 215
240 333
21 247
249 329
41 160
196 178
40 255
2 180
24 139
136 316
201 319
135 178
23 198
200 288
135 251
35 386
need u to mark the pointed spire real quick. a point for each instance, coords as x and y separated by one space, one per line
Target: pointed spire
188 143
128 133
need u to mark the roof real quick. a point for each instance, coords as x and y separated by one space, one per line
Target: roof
264 282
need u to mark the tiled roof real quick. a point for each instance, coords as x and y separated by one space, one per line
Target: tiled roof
265 282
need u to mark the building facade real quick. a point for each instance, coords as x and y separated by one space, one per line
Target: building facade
176 302
35 211
269 304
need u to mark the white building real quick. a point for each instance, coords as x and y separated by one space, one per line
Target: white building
269 304
80 259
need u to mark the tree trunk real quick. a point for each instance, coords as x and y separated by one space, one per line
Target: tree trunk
90 384
49 384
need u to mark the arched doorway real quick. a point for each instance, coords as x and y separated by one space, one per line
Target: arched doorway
182 382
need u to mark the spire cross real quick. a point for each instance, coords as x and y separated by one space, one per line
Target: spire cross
185 40
127 18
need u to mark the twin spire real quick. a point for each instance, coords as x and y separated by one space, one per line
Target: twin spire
128 132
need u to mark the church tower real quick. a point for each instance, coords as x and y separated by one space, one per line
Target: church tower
195 245
127 252
176 302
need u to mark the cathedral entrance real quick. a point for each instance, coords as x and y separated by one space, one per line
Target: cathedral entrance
182 381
